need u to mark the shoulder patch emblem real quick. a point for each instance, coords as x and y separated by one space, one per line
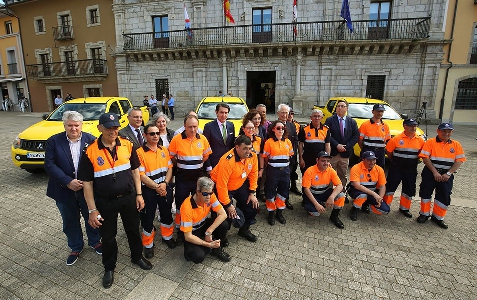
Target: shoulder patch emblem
382 128
100 161
229 156
361 176
163 155
451 150
250 166
199 145
308 134
401 142
316 178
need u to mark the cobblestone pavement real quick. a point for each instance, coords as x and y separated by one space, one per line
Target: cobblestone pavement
308 258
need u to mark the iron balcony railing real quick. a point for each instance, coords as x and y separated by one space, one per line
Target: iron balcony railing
392 29
63 32
78 68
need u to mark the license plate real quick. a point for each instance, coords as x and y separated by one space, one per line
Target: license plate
35 155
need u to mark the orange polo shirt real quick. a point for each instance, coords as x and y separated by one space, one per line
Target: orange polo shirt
318 182
442 155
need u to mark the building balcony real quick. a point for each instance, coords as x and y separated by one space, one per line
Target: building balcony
302 34
63 33
72 71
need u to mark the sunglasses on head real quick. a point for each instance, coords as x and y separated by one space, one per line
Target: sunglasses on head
205 194
280 128
153 133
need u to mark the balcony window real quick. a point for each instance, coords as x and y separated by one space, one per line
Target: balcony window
65 25
93 92
161 36
375 86
70 63
467 94
379 13
45 64
262 29
98 66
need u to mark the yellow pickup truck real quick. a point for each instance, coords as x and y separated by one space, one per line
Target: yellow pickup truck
28 149
360 109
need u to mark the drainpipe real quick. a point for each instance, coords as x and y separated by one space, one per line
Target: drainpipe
441 106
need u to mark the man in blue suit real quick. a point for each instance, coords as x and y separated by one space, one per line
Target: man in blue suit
221 135
344 135
63 153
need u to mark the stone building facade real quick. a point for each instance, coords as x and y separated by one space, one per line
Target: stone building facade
394 52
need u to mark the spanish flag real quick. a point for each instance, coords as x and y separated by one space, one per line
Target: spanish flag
227 13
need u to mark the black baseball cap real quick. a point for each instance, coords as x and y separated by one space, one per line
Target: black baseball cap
378 107
410 122
109 120
443 126
323 154
368 155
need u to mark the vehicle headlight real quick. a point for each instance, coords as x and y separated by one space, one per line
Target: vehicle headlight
17 142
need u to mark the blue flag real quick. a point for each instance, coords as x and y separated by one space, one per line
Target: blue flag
346 15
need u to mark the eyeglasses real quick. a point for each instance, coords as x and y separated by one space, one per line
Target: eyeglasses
153 133
205 194
280 128
250 128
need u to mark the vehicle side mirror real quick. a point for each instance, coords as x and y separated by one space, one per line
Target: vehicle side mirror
405 116
44 116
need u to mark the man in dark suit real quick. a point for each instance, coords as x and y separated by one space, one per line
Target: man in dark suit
344 135
63 153
133 132
221 135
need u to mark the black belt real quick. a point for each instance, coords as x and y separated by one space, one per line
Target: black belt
279 168
122 195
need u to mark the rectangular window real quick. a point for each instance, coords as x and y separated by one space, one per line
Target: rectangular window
473 54
40 25
65 25
45 64
379 13
161 31
70 64
262 29
94 92
162 87
375 86
97 61
467 94
8 27
93 16
12 62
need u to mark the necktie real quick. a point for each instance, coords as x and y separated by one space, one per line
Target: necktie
139 137
341 127
224 133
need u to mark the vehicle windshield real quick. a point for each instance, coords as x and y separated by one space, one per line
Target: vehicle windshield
90 111
207 111
364 111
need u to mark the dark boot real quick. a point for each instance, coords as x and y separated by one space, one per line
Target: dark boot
280 217
149 252
365 208
221 254
271 218
294 189
288 204
335 218
353 213
245 232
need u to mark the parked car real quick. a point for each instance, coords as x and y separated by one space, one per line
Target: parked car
206 110
360 109
28 149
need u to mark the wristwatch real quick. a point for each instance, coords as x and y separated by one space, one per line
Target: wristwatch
449 173
208 233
